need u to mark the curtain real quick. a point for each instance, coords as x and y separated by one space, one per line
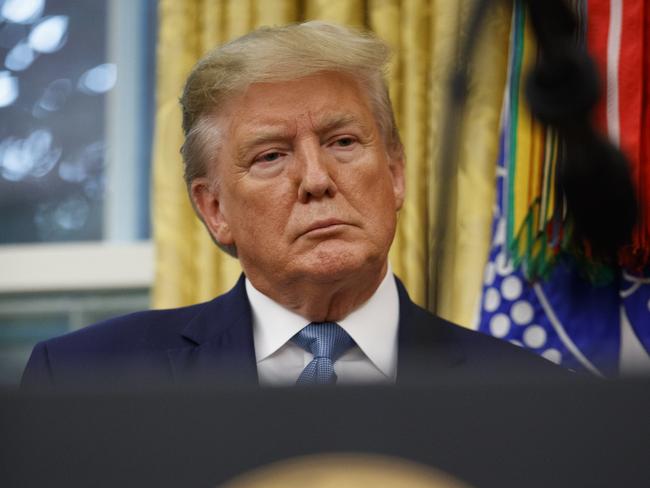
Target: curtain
424 36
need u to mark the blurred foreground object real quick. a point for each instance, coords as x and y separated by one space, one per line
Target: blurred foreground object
345 471
493 433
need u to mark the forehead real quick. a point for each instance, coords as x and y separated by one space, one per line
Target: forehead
319 99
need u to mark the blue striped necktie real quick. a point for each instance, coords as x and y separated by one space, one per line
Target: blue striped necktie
327 341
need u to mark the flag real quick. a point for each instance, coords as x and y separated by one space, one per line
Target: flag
536 293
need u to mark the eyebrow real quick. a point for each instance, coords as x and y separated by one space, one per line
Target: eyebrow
335 121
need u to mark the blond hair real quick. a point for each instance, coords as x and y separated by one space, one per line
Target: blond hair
272 54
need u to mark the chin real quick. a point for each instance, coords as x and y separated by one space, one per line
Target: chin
339 265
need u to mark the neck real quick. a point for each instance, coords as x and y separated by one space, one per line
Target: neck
323 301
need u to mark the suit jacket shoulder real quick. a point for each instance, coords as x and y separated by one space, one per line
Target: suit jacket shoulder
159 345
431 347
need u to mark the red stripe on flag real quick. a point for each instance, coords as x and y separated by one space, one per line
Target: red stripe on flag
597 33
643 235
634 95
630 80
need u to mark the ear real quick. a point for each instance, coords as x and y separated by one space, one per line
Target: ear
207 203
396 165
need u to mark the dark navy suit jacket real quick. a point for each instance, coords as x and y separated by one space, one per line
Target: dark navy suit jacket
213 342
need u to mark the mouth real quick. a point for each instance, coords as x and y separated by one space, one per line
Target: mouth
324 225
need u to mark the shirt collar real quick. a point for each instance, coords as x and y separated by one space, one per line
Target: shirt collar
373 325
273 325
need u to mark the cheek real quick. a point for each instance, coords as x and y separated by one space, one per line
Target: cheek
369 189
375 185
259 215
381 203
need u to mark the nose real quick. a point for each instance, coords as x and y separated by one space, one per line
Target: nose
314 173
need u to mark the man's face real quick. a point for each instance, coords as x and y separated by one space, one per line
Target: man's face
306 189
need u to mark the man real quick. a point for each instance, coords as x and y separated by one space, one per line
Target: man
294 163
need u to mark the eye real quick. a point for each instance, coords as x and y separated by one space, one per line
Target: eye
268 157
344 141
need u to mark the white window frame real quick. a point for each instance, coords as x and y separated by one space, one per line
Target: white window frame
125 135
76 266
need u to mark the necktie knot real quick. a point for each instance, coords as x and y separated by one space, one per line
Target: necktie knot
327 341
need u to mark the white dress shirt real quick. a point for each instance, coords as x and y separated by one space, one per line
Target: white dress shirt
373 326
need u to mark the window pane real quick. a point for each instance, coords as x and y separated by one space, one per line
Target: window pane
55 80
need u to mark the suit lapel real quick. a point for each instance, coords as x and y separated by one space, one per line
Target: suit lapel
220 343
426 351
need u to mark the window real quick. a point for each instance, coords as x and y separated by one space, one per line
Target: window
76 116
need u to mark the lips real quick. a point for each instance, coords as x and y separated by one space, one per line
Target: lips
323 224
